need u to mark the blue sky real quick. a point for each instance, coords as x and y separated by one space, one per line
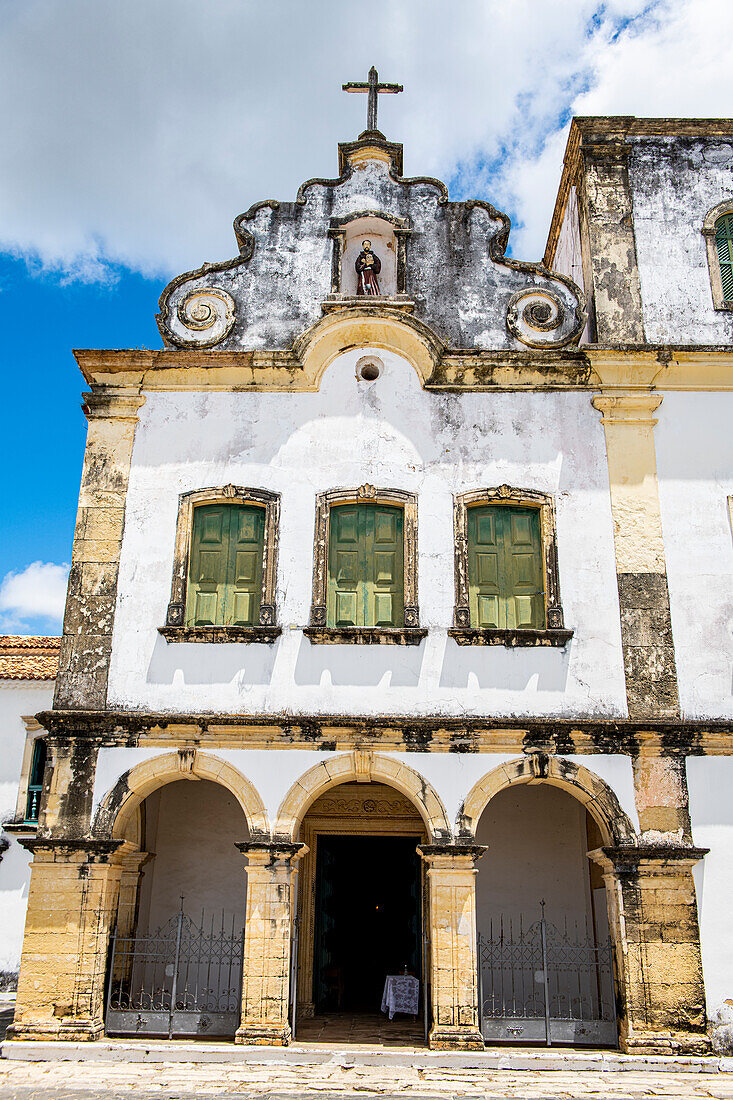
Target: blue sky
140 128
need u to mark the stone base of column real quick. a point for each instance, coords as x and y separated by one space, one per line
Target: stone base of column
263 1035
447 1037
73 1031
673 1045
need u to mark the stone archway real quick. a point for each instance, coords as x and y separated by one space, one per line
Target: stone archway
362 766
362 817
589 789
116 815
542 904
176 962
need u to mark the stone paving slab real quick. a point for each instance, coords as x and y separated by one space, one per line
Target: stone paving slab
337 1081
310 1054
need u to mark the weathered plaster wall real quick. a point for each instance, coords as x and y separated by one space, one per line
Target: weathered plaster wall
192 827
390 433
274 771
710 781
17 699
674 183
695 468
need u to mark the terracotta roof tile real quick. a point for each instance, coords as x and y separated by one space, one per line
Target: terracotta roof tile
28 657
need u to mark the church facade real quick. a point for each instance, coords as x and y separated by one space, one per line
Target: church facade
398 635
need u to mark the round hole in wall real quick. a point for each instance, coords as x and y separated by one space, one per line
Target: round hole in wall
369 368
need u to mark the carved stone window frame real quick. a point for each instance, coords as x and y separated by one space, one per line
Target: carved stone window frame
410 633
708 232
267 630
553 633
337 233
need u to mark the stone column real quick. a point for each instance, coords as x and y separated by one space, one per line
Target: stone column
72 900
267 942
453 955
653 919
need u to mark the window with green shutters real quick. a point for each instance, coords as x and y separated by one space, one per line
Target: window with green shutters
225 573
724 245
365 566
505 567
35 780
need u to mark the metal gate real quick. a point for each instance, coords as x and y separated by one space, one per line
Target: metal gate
543 985
184 979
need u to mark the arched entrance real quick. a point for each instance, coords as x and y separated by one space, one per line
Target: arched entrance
360 913
177 951
544 948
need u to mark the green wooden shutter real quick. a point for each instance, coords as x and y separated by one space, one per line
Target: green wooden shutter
505 570
244 572
383 566
485 567
225 575
208 568
365 566
724 244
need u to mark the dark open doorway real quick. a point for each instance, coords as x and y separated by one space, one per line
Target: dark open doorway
368 918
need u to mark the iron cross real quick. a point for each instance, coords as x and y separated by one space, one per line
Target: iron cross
373 88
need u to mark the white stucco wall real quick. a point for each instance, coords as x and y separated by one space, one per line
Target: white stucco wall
17 699
390 433
452 775
537 843
191 828
710 781
674 183
695 467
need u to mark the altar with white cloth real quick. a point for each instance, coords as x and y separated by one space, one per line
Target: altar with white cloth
401 994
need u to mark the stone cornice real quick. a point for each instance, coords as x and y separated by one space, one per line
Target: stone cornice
554 736
119 377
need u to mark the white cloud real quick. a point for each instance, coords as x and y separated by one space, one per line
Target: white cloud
672 62
135 131
37 592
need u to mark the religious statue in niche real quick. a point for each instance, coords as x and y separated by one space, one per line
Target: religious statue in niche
368 266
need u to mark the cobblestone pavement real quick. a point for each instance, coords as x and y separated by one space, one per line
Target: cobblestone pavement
184 1081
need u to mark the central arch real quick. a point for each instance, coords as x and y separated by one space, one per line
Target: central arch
361 817
362 766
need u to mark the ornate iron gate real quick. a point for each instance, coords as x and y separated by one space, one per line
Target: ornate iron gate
183 979
540 984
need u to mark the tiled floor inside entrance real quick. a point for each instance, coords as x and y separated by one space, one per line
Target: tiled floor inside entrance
345 1027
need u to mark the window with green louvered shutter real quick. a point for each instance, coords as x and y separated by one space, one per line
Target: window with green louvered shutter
365 566
724 245
225 574
505 568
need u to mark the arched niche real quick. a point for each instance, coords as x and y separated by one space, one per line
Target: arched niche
387 235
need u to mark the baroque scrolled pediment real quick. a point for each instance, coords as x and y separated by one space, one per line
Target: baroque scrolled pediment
443 261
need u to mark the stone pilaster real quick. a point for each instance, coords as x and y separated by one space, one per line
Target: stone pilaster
653 917
72 899
452 934
662 801
608 239
271 870
86 642
641 570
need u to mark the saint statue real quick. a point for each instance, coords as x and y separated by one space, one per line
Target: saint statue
367 267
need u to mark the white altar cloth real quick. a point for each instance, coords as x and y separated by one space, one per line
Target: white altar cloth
401 994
